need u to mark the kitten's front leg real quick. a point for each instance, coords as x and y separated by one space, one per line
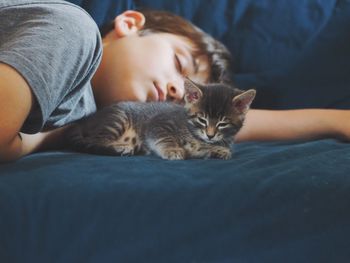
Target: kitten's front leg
166 148
196 149
175 153
220 152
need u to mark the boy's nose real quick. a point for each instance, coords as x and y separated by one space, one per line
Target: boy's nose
175 92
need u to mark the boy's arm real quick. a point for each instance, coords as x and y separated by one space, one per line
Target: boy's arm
303 124
43 141
24 144
11 150
16 100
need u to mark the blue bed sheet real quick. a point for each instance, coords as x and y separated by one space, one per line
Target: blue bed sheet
273 202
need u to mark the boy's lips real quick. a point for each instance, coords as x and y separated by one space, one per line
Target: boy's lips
161 95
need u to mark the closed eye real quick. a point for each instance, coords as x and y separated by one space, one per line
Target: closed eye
202 121
178 64
222 125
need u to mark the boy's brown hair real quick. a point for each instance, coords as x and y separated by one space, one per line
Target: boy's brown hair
158 21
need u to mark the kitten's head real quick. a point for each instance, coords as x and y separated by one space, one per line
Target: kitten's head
216 111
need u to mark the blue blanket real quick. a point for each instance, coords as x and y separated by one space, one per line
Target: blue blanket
273 202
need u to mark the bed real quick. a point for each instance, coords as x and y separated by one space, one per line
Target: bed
272 202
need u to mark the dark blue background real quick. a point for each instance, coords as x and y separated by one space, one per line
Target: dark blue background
295 53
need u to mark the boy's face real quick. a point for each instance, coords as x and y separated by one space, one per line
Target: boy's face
147 68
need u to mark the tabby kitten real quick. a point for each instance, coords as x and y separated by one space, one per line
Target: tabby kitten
203 128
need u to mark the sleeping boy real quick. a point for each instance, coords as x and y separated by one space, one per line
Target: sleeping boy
56 68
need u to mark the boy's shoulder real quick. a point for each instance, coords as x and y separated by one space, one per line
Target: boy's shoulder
73 14
57 57
12 3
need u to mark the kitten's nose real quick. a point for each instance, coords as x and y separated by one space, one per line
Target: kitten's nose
210 131
175 92
210 136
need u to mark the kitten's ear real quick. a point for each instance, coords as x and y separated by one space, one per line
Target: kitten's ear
192 92
242 102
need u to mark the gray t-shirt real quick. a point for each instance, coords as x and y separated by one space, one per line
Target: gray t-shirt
56 47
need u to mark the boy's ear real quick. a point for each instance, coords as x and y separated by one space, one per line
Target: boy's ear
128 23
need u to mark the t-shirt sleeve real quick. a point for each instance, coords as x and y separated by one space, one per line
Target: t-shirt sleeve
56 47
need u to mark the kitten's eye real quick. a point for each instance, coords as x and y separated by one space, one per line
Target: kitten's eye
222 125
202 121
178 64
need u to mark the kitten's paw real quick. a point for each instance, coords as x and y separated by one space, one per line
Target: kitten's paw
174 154
124 150
221 153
